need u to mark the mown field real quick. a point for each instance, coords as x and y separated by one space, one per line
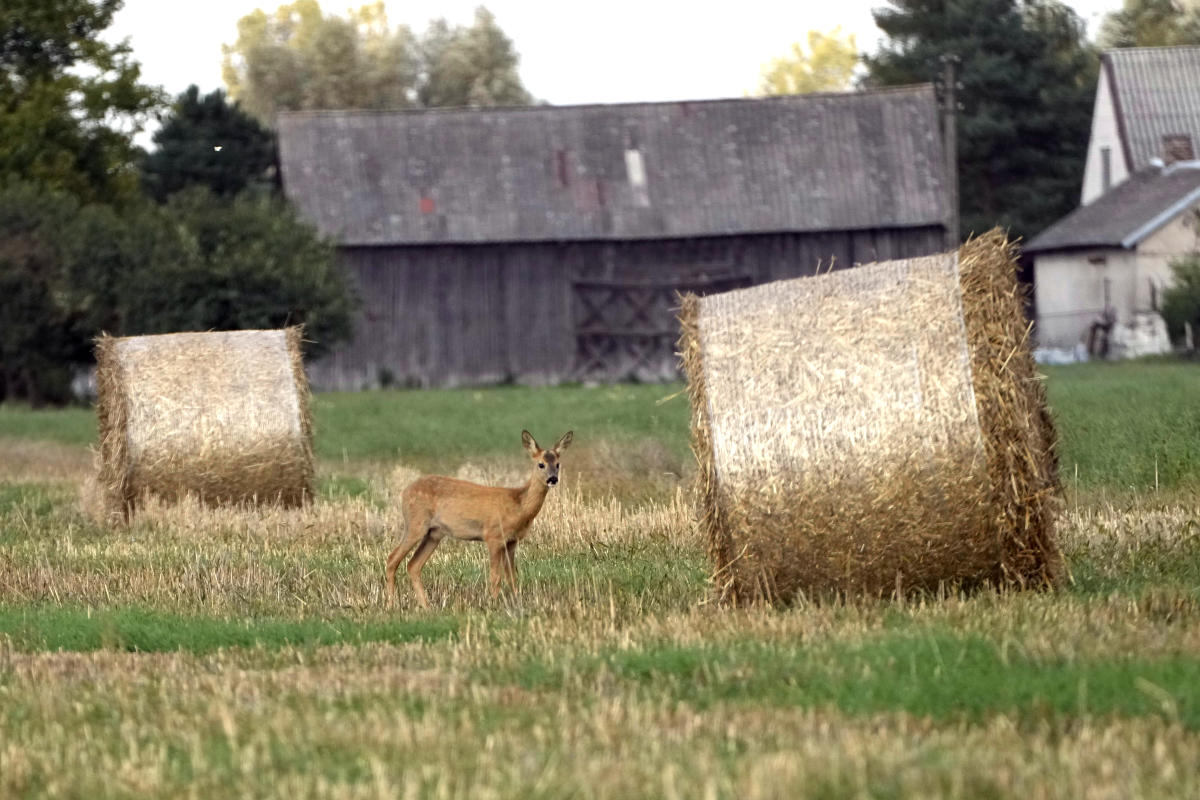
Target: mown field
205 653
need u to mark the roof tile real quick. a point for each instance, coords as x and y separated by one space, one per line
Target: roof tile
1123 212
802 163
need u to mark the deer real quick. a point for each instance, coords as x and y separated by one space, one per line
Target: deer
435 507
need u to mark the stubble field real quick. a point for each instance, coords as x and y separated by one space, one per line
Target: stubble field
204 653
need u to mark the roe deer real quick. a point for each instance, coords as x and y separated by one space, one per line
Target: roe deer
436 507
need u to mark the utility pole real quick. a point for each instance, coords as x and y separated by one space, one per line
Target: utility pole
950 144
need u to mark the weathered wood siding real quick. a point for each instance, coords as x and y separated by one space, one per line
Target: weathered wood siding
452 315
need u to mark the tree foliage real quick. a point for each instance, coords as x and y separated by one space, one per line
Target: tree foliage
1181 300
70 270
70 103
469 66
825 65
1151 23
208 141
41 332
1026 80
252 263
298 58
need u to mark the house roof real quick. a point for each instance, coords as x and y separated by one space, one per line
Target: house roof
645 170
1157 93
1128 213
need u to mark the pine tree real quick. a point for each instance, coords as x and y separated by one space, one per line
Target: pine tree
1026 78
208 141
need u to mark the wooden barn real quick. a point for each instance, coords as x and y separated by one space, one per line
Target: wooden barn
547 244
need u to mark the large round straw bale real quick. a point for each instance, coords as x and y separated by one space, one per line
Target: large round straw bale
872 430
221 415
1018 432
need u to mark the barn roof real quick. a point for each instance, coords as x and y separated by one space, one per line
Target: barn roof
1157 94
1127 213
645 170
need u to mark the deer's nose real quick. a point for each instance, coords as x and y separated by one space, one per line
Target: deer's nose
552 480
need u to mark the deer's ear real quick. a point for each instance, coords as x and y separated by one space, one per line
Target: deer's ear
530 445
564 442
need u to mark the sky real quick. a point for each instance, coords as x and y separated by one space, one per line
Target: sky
571 52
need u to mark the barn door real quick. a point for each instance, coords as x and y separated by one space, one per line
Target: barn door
626 329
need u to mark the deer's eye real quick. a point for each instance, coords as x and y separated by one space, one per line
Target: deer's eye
541 465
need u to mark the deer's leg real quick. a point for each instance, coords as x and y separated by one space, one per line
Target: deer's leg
417 563
497 556
510 564
415 532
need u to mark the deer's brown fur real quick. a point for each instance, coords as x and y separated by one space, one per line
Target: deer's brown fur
435 507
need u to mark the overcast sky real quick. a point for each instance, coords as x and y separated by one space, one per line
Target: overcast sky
571 52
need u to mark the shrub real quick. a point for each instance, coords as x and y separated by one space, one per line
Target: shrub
1181 300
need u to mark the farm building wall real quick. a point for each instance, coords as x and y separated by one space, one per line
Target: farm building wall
1073 285
548 312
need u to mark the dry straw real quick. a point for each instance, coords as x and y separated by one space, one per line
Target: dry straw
220 415
872 431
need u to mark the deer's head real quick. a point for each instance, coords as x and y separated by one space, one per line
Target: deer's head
546 461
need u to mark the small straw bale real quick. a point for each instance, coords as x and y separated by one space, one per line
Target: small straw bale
220 415
872 431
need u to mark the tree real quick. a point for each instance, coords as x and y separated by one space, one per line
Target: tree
40 329
826 65
70 103
69 271
1151 23
1181 300
1026 82
298 58
256 264
208 141
475 66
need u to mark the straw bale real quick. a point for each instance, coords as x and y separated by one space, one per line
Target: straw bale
220 415
842 443
1018 432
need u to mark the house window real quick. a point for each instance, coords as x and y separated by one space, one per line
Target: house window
1105 168
1177 147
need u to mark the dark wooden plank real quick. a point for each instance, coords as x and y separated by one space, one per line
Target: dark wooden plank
448 314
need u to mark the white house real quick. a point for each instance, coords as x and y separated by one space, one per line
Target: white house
1147 107
1100 271
1111 258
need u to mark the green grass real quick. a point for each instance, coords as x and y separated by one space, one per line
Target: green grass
938 673
72 425
248 652
32 628
440 427
1125 425
34 499
912 667
1122 426
452 425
